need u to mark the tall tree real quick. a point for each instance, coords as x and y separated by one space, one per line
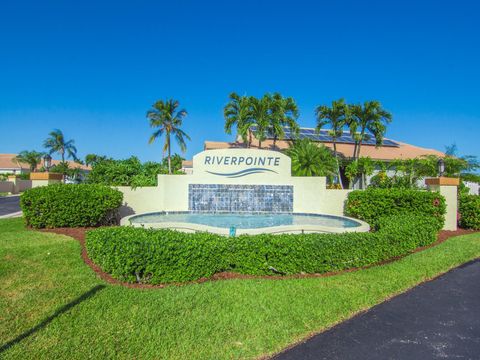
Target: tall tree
336 117
283 113
168 120
260 115
237 113
56 143
367 120
32 158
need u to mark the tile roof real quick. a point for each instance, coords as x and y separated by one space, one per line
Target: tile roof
7 161
402 151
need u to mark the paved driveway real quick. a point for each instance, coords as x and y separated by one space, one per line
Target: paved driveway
436 320
9 205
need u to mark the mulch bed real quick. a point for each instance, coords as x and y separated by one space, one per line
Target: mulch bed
79 234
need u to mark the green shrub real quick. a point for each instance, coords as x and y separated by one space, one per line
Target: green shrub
371 204
161 256
63 205
469 209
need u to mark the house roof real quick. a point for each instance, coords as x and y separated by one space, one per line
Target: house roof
7 161
395 149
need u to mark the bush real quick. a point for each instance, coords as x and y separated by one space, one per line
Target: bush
130 172
371 204
161 256
469 209
63 205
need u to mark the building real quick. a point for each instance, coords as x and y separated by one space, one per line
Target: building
8 165
389 151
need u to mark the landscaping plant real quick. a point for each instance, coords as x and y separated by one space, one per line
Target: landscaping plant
62 205
469 209
161 256
371 204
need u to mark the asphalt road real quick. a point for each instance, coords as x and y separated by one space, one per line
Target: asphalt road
436 320
9 205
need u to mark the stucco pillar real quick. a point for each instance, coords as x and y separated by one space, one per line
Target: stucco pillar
14 180
45 178
448 187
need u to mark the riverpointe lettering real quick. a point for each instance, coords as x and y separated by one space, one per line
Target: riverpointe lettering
243 160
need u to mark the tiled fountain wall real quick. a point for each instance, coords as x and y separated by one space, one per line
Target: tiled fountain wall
240 198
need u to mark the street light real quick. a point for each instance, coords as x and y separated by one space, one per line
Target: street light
47 162
441 167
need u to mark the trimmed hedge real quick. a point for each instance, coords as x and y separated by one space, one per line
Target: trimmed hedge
469 209
162 256
372 204
62 205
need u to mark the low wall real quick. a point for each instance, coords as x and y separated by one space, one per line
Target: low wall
309 196
6 186
15 186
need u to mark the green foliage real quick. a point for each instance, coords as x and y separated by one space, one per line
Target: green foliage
383 181
131 171
270 114
63 205
310 159
365 121
470 177
167 119
32 158
362 167
469 209
371 204
160 256
56 143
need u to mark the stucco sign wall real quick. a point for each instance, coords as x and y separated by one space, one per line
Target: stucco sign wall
241 163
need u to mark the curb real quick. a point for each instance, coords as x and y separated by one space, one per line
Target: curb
12 215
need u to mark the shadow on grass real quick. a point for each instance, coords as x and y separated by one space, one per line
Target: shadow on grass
49 319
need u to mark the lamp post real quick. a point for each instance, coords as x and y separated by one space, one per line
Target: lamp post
47 162
441 167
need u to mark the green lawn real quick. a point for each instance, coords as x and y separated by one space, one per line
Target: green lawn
53 306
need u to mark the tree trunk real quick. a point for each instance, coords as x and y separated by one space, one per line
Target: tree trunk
169 155
274 141
338 165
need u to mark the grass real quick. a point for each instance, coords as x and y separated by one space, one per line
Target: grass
53 306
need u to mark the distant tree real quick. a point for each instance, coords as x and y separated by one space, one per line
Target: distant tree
176 162
92 159
237 113
283 113
367 120
32 158
61 168
56 143
168 120
310 159
336 117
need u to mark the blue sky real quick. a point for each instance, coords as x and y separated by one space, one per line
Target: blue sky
93 68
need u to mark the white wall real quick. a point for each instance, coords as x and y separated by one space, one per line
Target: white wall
474 188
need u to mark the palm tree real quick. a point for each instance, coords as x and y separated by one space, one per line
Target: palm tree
337 117
32 158
366 120
56 143
165 116
260 115
237 112
283 113
309 159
